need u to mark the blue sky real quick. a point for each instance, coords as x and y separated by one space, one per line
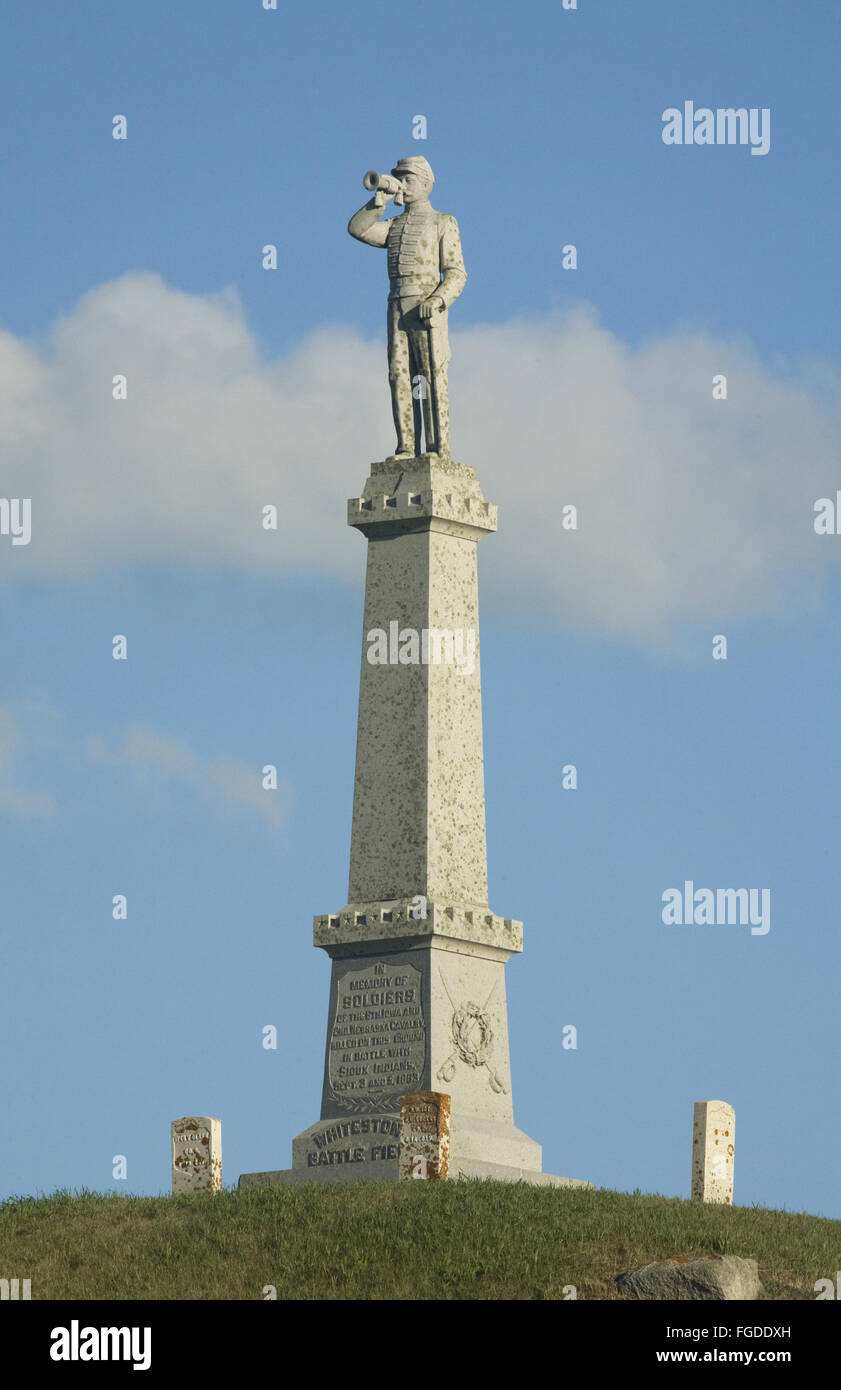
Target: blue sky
247 387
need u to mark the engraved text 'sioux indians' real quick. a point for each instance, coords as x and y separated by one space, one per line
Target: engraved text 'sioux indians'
417 995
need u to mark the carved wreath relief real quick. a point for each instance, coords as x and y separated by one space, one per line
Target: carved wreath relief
472 1037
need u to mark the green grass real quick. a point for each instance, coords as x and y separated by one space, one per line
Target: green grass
416 1240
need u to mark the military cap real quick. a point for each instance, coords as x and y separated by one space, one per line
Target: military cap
413 164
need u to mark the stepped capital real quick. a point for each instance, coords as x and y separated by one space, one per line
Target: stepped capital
405 920
424 493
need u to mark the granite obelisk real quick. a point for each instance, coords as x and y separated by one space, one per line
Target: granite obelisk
417 993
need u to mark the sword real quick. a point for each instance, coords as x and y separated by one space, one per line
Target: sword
433 394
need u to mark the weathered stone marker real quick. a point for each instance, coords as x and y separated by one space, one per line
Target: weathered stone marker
196 1154
424 1135
713 1151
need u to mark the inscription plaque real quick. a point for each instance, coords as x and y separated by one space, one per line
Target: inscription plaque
196 1154
376 1046
424 1135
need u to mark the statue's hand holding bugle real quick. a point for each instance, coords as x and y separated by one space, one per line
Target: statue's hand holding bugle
383 187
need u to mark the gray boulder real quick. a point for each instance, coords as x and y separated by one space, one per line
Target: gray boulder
708 1277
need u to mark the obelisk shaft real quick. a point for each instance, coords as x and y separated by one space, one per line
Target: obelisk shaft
419 798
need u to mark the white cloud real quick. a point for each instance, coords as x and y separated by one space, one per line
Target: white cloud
230 785
18 734
690 509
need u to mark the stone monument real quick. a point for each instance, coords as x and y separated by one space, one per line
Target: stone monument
196 1142
417 994
424 1135
713 1151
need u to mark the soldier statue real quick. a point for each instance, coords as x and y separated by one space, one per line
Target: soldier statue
426 273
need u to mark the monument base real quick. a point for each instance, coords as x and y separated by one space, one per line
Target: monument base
367 1149
500 1172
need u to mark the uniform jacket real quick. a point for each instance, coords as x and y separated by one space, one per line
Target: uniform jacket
424 254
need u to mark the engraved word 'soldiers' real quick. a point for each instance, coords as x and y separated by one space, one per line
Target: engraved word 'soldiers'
426 273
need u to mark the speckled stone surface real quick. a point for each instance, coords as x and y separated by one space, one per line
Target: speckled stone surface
360 925
430 1016
425 492
417 991
424 1152
426 274
196 1142
713 1151
419 795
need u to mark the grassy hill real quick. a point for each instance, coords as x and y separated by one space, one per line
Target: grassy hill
415 1240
